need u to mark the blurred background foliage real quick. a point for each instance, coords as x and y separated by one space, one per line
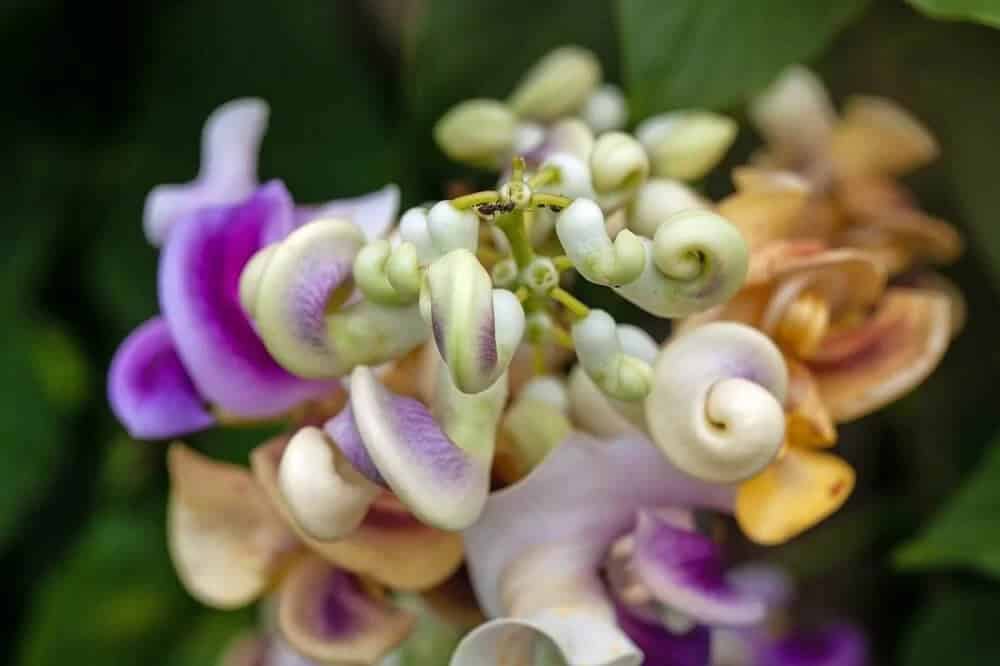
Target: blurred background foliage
103 103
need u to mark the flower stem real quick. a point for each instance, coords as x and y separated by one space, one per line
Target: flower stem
513 227
553 201
568 301
468 201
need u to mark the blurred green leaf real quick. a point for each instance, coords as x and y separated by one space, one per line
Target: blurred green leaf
966 532
113 600
61 365
209 633
714 53
959 631
31 429
981 11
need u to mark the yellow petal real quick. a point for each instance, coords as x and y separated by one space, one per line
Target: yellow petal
794 493
808 422
877 136
226 540
390 546
328 615
861 369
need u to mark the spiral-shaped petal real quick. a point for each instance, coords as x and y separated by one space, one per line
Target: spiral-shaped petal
696 260
584 236
715 408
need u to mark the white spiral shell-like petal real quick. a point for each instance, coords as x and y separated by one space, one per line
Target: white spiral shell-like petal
715 408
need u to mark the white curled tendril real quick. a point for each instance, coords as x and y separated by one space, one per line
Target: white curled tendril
715 408
697 259
600 351
582 232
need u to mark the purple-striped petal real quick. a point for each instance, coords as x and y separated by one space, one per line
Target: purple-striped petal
229 145
374 213
836 645
327 615
199 294
583 496
150 391
683 570
442 479
659 645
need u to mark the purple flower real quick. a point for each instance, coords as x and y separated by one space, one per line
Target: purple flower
594 558
202 358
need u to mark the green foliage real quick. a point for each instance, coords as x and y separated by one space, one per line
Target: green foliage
981 11
960 630
965 532
713 53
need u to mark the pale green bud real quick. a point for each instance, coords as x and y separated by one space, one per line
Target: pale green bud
600 351
686 144
480 132
558 84
581 230
605 110
618 167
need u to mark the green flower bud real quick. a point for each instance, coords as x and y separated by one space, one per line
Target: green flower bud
479 132
558 84
686 144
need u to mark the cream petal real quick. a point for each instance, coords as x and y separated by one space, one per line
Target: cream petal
876 135
390 545
226 540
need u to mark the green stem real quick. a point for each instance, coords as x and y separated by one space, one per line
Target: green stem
544 177
550 200
467 201
513 227
568 301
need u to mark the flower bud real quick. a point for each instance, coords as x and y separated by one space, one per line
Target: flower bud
656 201
618 167
557 85
686 144
452 229
605 110
602 356
582 232
479 132
573 176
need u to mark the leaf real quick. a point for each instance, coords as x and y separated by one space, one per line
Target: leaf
980 11
31 431
966 532
113 601
207 636
959 631
714 53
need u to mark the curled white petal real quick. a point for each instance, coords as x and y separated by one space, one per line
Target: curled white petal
327 497
600 351
697 259
413 229
656 201
386 274
715 408
250 277
584 236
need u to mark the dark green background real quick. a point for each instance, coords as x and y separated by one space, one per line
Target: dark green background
103 102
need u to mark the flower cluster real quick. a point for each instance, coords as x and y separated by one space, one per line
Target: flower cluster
449 399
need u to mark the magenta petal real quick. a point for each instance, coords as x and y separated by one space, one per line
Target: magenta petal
836 645
199 295
683 570
661 646
149 389
229 144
